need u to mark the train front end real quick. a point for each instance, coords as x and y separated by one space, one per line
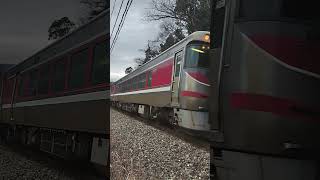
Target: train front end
194 84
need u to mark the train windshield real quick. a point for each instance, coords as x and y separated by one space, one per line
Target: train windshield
197 55
278 9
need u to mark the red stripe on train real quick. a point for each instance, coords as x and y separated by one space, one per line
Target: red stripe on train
162 74
275 105
299 53
199 76
193 94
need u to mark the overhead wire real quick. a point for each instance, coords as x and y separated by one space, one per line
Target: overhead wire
124 15
114 25
122 19
114 4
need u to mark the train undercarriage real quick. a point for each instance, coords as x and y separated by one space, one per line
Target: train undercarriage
174 118
68 145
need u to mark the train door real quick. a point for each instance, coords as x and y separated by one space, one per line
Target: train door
217 28
176 79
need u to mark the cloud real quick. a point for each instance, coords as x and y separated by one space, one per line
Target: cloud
134 36
116 76
24 26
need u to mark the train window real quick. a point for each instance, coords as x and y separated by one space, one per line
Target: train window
273 9
129 84
217 24
143 80
7 90
22 81
139 81
1 82
43 85
197 55
34 82
177 68
30 88
79 63
149 78
134 83
100 64
59 76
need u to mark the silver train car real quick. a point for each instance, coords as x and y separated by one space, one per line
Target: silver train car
173 86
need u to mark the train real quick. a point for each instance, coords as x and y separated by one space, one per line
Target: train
254 89
264 94
57 99
173 86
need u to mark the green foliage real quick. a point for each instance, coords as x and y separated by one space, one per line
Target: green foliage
95 7
60 27
128 70
172 39
150 52
179 18
191 15
63 26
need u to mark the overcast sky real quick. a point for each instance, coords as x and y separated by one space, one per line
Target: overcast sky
134 36
24 25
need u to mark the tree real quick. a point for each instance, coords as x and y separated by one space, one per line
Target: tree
60 27
178 34
95 7
172 39
192 15
150 52
128 70
139 61
169 34
168 43
179 18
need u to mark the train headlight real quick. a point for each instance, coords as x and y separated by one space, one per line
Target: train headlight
206 38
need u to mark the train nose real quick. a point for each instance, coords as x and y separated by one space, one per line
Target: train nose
194 95
199 77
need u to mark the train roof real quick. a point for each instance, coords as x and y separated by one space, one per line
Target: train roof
79 35
198 35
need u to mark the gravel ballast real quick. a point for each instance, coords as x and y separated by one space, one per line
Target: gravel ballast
140 151
16 166
19 162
